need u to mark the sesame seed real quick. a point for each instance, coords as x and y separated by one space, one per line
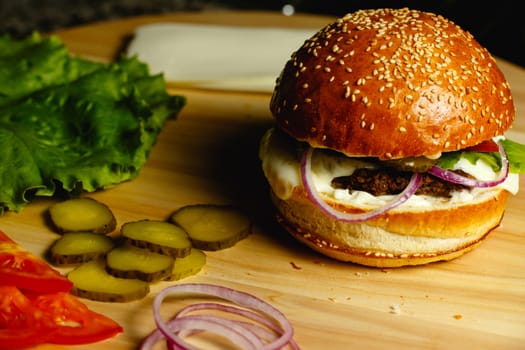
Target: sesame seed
347 92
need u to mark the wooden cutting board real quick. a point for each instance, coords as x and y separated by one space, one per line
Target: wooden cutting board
209 155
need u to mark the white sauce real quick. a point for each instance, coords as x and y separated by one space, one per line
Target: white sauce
281 166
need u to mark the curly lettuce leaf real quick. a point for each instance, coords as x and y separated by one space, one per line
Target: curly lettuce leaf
74 125
32 64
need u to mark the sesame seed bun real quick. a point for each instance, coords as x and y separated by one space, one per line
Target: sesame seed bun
400 238
392 83
377 85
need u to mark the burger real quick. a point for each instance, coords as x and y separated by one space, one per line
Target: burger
388 145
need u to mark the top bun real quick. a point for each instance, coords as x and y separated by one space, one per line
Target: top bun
392 83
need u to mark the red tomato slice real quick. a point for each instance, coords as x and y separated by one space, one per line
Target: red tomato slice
22 325
77 324
485 146
21 268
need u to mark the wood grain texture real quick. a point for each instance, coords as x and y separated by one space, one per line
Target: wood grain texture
209 155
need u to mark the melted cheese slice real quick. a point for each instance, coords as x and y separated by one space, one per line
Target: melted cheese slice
281 166
217 56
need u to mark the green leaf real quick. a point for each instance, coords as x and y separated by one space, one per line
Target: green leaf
515 154
72 124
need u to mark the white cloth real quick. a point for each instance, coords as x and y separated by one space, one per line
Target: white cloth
217 56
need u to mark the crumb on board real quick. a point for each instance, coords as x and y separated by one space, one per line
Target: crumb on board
295 266
458 316
395 309
360 274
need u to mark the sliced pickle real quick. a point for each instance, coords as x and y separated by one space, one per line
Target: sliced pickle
77 247
413 164
187 266
211 226
81 215
129 261
158 236
91 281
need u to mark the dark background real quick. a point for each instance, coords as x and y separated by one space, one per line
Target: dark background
497 25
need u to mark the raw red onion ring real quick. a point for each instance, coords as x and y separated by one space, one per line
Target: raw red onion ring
246 335
239 311
459 179
245 339
308 183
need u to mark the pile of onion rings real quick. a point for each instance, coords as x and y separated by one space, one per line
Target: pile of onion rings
265 328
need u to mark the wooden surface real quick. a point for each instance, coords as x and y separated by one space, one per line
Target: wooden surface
209 154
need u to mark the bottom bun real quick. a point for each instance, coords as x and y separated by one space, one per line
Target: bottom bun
390 240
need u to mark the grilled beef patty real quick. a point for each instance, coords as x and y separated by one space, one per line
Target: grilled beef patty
389 181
